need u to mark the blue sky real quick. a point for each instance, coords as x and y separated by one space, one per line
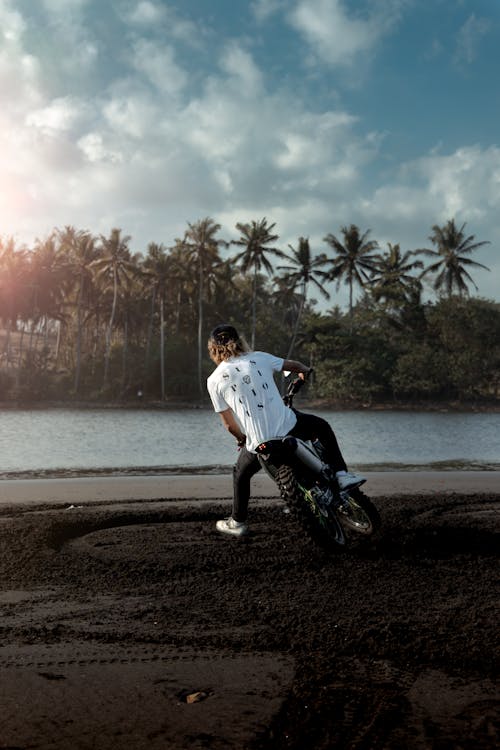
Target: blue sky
147 114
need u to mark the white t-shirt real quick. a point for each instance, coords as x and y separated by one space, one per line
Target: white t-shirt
246 385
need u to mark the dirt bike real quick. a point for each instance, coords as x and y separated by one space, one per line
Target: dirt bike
334 519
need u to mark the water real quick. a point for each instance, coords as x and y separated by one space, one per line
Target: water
69 439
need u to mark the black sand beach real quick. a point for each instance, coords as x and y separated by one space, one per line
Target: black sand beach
130 623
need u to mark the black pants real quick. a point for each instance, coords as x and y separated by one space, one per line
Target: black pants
308 427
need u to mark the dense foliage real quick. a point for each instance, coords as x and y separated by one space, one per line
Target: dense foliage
85 319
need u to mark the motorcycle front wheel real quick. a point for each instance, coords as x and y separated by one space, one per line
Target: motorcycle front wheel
357 513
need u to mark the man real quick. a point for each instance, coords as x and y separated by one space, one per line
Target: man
244 393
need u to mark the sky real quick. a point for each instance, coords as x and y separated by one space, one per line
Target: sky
316 114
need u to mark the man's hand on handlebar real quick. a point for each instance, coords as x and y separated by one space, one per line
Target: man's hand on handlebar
296 384
306 375
299 368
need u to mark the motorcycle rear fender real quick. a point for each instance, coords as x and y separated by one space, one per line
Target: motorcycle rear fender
275 452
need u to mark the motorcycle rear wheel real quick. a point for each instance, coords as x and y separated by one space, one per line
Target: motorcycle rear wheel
324 530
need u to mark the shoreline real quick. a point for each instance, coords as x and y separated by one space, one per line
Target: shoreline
73 472
73 492
468 407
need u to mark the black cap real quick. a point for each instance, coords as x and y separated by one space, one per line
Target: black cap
224 333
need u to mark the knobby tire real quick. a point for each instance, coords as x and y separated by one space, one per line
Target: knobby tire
332 532
368 514
327 533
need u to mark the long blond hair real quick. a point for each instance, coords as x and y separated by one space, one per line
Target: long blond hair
224 343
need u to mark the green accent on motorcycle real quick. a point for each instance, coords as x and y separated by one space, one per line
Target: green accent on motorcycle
310 500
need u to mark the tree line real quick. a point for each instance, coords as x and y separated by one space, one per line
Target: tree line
84 318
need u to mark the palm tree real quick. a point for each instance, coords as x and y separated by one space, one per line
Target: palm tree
223 288
286 302
13 277
48 273
158 268
80 249
256 238
114 268
392 278
129 312
183 287
304 269
452 248
202 247
354 259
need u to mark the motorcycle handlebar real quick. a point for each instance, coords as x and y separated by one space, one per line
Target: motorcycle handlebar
294 387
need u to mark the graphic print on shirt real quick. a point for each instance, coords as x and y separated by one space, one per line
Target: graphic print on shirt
247 387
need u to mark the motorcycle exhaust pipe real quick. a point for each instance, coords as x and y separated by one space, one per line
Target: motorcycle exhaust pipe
305 455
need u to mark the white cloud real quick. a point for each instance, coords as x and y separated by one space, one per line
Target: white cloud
147 13
12 25
313 142
93 147
339 38
466 182
64 6
239 64
336 37
469 38
264 9
20 87
158 64
130 111
59 115
20 71
463 185
214 126
154 15
148 151
72 41
262 147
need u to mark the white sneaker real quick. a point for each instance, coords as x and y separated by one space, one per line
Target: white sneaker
230 526
349 480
